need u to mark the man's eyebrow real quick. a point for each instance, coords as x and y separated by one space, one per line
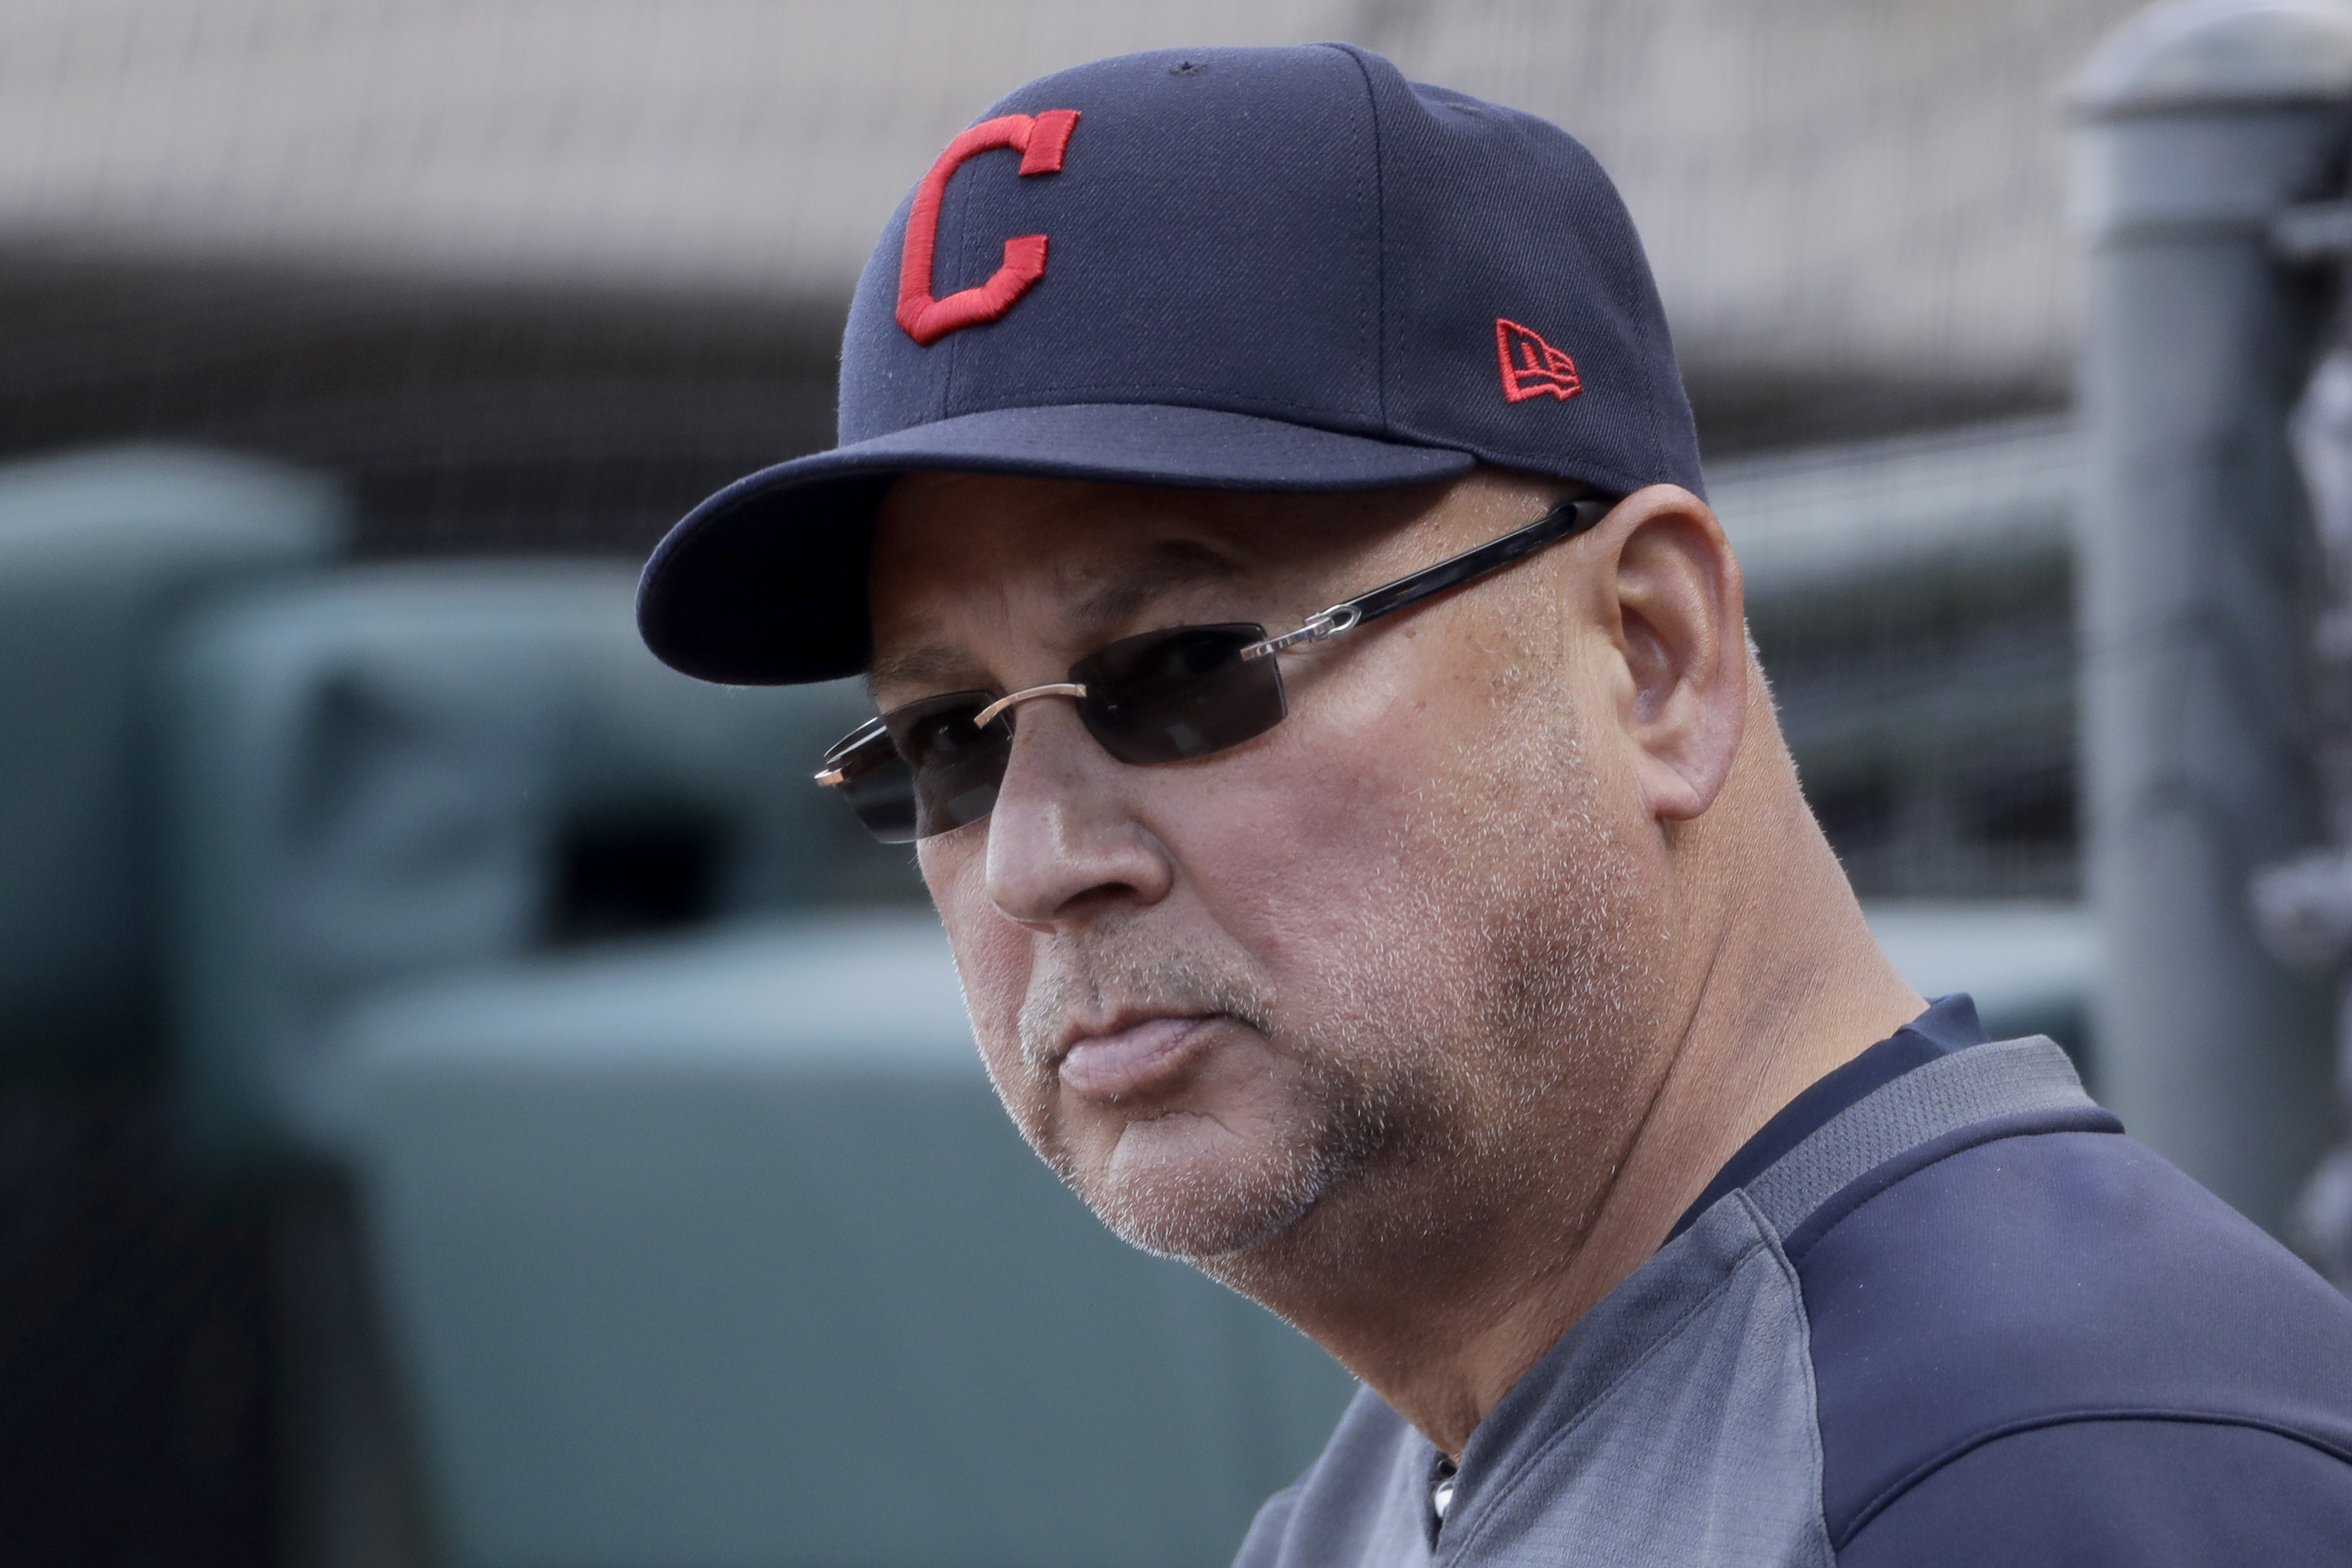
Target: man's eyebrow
1171 565
930 666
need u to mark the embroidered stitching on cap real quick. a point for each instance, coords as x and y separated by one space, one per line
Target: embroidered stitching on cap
1540 368
1039 138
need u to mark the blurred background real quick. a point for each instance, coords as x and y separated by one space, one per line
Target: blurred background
463 1101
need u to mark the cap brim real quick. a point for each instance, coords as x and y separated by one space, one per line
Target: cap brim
764 584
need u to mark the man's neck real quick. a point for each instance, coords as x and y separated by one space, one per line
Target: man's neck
1769 1011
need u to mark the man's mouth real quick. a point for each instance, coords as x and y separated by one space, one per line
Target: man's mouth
1133 1057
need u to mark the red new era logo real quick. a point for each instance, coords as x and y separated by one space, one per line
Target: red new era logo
1532 366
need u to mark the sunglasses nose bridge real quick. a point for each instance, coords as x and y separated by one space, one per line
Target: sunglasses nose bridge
989 715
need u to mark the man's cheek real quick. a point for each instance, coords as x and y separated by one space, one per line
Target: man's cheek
1293 867
996 1027
992 959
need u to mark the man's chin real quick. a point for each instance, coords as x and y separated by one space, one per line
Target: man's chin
1200 1233
1203 1183
1204 1210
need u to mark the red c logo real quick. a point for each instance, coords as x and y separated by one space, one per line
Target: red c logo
1039 140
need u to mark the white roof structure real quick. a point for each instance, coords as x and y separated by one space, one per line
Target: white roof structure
1825 188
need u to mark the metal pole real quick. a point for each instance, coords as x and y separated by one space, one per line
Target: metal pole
2199 121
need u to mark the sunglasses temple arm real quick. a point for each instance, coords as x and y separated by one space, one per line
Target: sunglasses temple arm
1564 521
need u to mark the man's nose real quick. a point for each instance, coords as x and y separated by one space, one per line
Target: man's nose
1065 842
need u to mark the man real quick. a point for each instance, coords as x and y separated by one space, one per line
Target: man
1269 516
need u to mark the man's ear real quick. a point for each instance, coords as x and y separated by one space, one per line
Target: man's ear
1672 590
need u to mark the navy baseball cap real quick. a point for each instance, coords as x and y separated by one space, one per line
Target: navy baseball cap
1270 269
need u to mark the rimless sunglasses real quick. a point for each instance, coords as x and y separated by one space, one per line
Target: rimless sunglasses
1160 696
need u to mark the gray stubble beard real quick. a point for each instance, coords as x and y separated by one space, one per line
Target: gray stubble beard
1203 1215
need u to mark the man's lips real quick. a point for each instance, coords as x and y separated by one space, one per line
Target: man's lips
1133 1059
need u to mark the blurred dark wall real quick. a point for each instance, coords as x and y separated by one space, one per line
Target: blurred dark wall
138 1339
467 419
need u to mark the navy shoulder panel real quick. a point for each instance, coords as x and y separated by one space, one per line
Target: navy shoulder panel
2170 1494
2039 1281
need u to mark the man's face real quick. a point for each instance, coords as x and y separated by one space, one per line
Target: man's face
1351 985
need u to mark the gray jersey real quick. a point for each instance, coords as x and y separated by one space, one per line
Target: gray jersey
1884 1346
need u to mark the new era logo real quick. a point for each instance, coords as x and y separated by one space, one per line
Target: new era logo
1532 366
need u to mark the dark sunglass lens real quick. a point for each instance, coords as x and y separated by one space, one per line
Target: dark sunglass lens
884 798
954 766
874 778
1165 696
